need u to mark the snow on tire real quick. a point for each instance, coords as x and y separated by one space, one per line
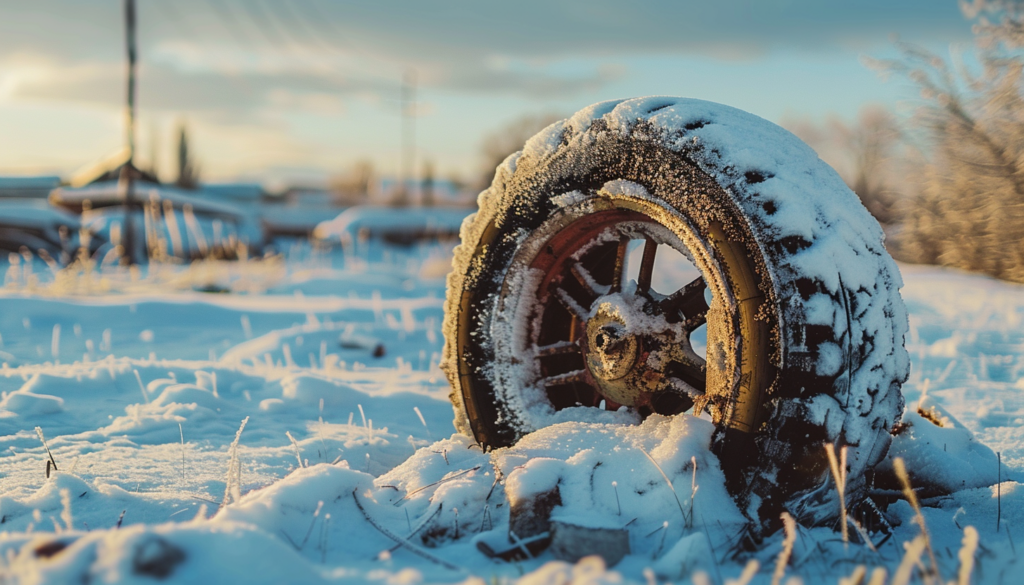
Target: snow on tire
805 324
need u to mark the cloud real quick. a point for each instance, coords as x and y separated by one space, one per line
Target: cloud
243 71
206 54
166 88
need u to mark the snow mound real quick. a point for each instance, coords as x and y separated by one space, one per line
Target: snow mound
942 455
393 222
443 498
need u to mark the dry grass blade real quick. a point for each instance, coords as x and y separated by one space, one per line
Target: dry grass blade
181 433
863 534
856 578
295 445
910 560
232 483
901 472
966 555
839 475
65 504
748 574
398 539
438 482
693 491
667 481
419 525
42 439
789 525
142 387
999 489
878 576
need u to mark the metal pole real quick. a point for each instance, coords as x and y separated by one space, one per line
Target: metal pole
408 170
127 180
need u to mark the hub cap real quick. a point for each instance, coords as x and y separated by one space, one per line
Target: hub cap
599 340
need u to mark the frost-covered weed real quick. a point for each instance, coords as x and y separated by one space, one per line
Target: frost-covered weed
233 480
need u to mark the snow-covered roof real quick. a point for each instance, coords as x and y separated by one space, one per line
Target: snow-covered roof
96 169
381 221
107 193
34 213
28 186
29 182
234 191
294 220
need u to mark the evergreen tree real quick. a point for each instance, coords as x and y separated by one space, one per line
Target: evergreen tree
188 170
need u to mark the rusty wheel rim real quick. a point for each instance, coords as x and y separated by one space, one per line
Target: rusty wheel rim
595 339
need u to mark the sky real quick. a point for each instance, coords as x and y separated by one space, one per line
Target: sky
299 90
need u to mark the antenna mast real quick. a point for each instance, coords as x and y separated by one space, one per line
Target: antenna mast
127 179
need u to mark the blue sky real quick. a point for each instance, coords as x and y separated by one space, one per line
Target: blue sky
301 89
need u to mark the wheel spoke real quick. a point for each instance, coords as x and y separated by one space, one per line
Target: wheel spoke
643 281
688 302
573 377
691 371
586 280
694 323
570 304
559 348
620 264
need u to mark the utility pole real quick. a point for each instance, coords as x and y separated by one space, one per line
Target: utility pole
126 182
408 160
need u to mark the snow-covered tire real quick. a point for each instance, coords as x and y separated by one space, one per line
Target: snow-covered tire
832 359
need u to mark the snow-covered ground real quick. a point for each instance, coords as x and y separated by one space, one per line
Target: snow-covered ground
275 436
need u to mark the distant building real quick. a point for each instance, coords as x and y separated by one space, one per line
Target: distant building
28 187
109 169
243 193
203 219
440 192
402 226
297 211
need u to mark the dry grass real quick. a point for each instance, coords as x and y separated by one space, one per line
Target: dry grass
42 439
908 492
295 445
85 275
966 555
65 505
748 574
878 576
667 481
839 475
855 578
911 559
789 525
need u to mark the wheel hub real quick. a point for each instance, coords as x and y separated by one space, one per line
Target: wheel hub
599 338
616 348
612 350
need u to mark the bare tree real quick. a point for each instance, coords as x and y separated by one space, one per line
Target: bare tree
497 145
865 153
427 185
353 188
968 211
